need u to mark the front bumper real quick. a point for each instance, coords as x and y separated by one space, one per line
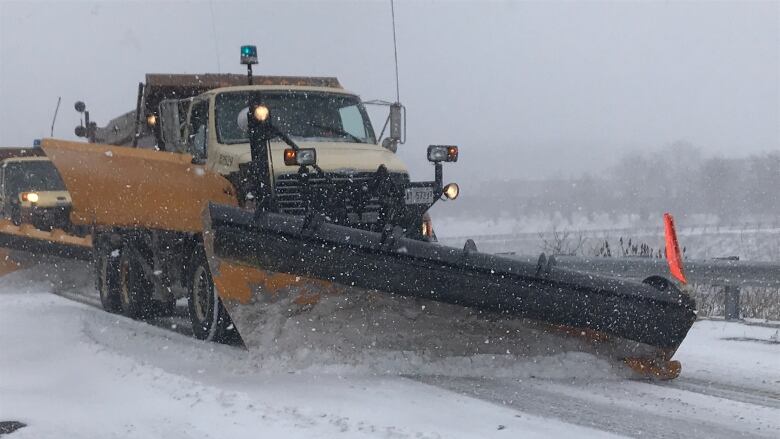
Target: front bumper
46 218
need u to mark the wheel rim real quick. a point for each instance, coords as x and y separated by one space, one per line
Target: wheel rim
202 299
102 280
124 289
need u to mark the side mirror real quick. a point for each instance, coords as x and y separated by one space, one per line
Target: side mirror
397 118
390 144
80 106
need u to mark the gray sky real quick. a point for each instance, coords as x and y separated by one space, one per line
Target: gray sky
527 89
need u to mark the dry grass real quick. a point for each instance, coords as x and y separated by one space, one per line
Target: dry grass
754 302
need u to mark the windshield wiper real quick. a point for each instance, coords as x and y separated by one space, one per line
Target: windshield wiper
338 131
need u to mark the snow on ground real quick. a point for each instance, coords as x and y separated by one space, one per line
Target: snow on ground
71 370
729 387
729 353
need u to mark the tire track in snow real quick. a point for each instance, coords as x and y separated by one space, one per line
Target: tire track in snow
610 414
747 395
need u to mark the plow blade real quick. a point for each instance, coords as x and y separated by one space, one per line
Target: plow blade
274 267
129 187
56 242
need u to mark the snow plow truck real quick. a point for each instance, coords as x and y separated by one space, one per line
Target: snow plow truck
273 206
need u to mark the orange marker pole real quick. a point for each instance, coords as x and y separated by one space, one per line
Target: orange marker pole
673 256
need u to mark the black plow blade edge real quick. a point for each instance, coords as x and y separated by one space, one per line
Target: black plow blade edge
654 313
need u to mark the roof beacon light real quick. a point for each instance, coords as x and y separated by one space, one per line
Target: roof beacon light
248 55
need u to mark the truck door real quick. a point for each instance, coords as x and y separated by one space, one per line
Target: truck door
171 125
197 140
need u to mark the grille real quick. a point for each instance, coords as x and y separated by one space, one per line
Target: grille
337 198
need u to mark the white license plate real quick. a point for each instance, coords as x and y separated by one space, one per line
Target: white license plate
419 195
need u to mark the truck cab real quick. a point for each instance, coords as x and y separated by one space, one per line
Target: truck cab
330 120
356 181
32 192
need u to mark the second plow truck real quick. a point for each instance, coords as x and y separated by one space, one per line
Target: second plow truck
278 213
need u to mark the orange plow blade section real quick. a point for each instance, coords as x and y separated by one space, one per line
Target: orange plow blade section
7 263
57 242
55 236
129 187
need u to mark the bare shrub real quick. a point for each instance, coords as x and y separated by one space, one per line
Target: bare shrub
563 243
754 302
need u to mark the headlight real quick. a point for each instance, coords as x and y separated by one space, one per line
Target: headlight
451 191
300 157
151 120
261 113
442 153
30 196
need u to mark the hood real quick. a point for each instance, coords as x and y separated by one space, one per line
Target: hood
331 157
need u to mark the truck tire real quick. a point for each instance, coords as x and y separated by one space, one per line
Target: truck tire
210 320
16 214
134 289
165 308
107 279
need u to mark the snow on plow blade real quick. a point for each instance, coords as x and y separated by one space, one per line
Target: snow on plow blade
56 242
256 261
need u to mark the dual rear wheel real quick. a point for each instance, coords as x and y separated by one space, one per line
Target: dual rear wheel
124 288
123 285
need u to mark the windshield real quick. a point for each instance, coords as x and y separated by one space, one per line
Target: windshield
33 176
322 117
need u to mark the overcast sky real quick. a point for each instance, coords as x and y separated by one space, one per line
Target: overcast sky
527 89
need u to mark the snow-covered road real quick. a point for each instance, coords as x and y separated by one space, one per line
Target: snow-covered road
70 370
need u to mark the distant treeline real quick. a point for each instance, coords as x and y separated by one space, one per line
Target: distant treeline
679 179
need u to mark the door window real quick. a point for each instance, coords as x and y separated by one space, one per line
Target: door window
198 129
352 121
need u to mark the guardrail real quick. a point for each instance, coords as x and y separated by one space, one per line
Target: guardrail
766 227
732 275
